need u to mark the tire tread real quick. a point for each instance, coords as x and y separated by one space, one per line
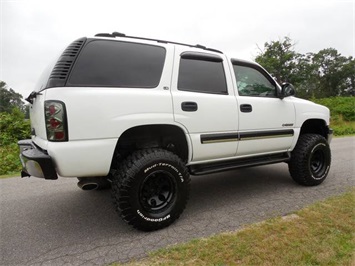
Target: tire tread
125 175
299 156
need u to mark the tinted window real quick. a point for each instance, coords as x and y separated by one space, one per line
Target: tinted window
251 82
119 64
202 76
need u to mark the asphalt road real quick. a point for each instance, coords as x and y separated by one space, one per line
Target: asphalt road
55 223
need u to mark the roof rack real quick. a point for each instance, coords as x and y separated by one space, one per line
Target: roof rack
118 34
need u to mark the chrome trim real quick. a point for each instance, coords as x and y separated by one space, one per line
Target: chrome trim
243 136
218 140
267 137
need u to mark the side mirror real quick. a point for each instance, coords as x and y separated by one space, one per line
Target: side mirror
287 90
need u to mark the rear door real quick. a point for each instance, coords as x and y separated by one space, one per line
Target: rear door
204 103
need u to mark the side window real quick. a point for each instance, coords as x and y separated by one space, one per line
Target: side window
118 64
252 82
202 74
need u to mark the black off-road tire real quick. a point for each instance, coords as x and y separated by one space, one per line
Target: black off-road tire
310 160
150 189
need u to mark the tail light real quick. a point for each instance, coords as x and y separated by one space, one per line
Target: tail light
56 121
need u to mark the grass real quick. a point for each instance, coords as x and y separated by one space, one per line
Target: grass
322 234
342 110
341 127
10 175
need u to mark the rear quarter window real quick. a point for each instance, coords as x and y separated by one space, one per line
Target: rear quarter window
118 64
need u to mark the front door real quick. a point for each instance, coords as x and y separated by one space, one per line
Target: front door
266 122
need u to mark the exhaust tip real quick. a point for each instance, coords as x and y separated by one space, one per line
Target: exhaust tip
93 183
88 186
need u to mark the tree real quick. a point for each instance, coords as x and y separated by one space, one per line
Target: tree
279 58
323 74
349 70
9 99
330 70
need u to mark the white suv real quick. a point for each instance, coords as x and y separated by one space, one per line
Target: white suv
142 115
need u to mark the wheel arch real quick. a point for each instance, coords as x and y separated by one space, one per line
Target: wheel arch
315 126
167 136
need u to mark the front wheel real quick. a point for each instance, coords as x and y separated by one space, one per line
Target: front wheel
310 160
151 188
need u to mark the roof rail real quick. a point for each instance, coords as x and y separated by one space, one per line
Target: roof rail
118 34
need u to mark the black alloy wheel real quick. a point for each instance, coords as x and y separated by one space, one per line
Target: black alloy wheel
318 163
158 192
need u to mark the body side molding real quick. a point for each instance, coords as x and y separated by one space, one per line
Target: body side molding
241 136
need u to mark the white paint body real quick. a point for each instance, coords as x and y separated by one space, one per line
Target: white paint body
98 116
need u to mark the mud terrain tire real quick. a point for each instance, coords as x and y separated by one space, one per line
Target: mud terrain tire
310 160
151 188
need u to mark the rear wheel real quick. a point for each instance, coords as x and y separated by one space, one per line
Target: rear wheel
310 160
151 188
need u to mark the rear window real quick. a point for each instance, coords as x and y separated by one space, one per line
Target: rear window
202 75
118 64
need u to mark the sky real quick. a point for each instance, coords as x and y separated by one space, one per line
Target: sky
33 33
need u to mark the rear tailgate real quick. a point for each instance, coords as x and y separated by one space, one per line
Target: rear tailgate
38 128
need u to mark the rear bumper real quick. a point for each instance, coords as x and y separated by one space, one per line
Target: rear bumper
36 162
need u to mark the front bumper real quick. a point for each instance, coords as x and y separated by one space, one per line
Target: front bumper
36 162
329 135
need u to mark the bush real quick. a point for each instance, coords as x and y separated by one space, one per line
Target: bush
13 127
339 106
10 161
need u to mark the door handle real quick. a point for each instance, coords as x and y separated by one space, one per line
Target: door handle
246 108
189 106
